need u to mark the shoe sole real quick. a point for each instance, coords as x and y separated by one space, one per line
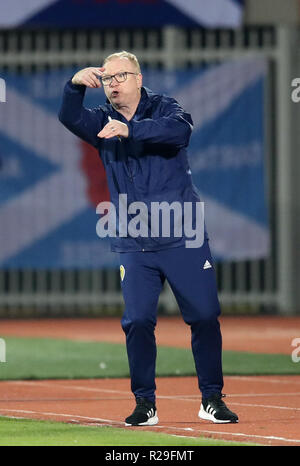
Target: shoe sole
151 422
210 417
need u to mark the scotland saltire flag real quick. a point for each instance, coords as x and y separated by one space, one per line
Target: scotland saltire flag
121 13
51 181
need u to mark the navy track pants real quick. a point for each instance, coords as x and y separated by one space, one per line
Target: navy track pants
193 283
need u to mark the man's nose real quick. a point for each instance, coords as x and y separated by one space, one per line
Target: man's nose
114 82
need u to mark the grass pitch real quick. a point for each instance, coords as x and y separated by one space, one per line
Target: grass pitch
38 358
27 432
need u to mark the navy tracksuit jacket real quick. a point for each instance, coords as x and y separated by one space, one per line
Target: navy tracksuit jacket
151 165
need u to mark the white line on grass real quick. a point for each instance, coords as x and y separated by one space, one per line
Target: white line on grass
236 434
198 431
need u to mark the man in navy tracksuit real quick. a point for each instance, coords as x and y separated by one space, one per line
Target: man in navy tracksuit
142 138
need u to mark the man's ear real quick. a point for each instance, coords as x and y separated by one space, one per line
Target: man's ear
139 80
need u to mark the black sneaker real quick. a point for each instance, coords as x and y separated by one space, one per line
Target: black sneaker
145 414
214 409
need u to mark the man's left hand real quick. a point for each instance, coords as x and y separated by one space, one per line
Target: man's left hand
114 128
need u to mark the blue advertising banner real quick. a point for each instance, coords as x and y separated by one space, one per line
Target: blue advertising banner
121 13
51 181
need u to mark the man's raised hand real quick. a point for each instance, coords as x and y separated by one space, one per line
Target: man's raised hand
88 77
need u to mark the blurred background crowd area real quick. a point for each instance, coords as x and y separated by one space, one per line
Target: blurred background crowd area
230 63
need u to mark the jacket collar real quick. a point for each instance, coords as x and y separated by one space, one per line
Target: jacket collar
145 100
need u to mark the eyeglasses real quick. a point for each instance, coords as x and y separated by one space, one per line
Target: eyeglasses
119 77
